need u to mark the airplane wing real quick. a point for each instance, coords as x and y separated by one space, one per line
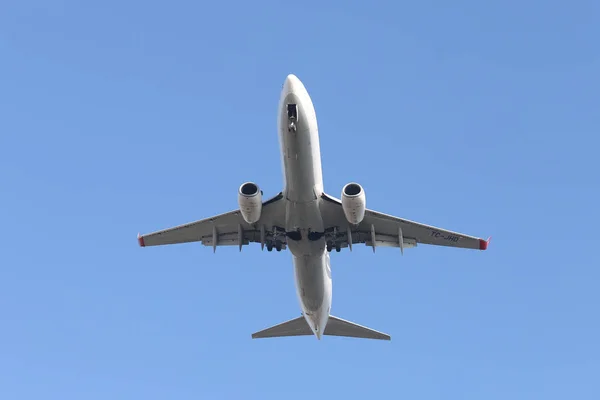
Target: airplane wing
228 229
382 230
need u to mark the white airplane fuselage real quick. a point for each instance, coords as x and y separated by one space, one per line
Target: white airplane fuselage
302 189
308 222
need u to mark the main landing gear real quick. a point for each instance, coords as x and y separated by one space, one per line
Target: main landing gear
277 245
333 240
330 246
292 115
276 241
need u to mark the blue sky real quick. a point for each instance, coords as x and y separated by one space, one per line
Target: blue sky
126 117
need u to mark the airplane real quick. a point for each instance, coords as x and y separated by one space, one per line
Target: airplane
309 222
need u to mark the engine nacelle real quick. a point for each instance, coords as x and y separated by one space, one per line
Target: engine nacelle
354 203
250 202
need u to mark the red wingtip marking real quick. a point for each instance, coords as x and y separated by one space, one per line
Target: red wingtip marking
141 240
483 244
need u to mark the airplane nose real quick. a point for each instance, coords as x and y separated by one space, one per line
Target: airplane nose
292 84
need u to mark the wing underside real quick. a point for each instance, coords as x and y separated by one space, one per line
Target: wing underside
228 229
382 230
375 230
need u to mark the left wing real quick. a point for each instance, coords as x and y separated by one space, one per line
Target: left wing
382 230
228 229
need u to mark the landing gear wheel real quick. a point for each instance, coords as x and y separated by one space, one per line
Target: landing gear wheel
338 248
329 247
278 246
269 246
292 114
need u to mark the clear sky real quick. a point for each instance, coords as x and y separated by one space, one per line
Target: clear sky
119 117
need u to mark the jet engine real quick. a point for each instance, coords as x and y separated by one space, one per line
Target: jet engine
250 202
354 203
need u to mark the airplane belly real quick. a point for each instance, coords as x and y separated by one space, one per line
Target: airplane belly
310 283
300 152
313 288
303 220
298 164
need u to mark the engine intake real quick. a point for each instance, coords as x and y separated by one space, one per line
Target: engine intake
250 202
354 203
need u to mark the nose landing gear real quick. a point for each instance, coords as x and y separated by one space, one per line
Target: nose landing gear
292 114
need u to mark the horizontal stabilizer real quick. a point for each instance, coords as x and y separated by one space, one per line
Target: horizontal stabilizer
335 327
293 327
339 327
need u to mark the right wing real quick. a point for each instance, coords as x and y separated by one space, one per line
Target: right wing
227 229
379 229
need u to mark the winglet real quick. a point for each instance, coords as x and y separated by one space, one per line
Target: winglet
141 240
483 244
